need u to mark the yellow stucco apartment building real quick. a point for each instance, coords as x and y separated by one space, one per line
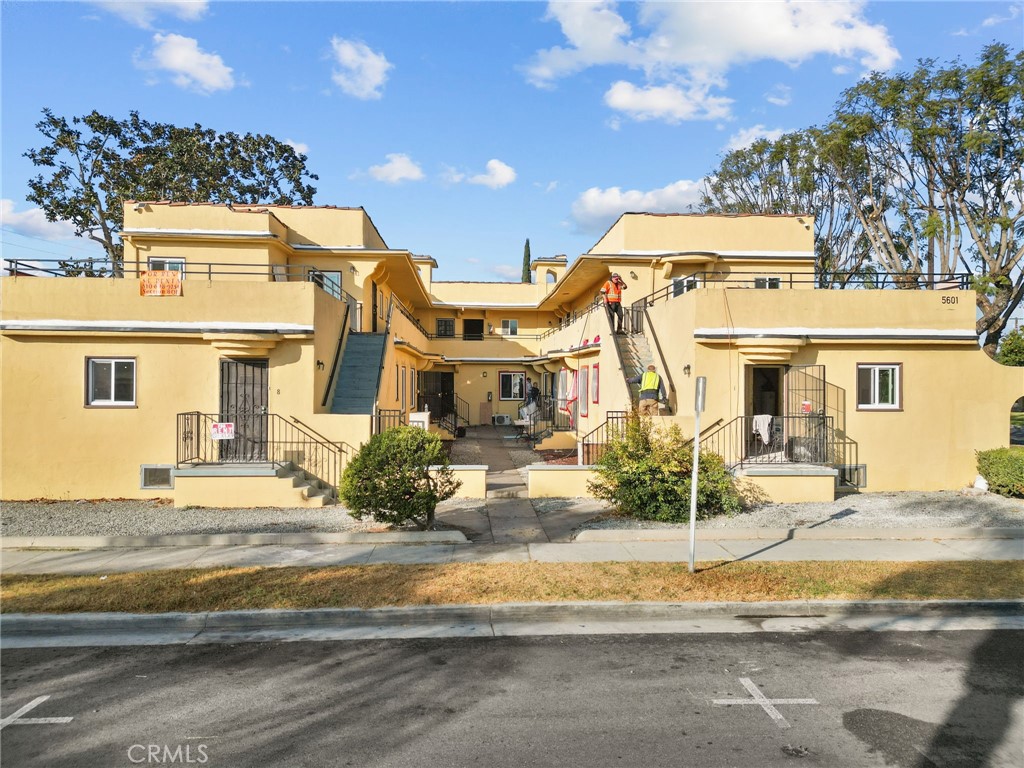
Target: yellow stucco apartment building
247 351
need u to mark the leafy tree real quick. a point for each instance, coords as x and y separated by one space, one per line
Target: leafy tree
527 277
1011 350
96 162
936 160
788 176
390 479
647 472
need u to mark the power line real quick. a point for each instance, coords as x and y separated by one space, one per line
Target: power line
44 240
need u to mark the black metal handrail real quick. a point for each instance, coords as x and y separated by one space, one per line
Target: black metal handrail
801 439
336 362
462 410
387 418
594 444
259 438
409 316
558 412
835 281
569 319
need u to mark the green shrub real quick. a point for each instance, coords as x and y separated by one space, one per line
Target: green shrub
647 473
1004 470
388 479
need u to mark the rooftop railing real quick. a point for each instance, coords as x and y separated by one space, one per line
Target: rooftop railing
188 270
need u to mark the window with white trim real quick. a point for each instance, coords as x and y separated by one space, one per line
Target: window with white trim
110 381
681 285
767 282
509 327
511 385
879 386
169 265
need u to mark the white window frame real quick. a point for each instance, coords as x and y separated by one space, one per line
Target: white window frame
771 283
512 376
509 327
897 386
170 264
681 285
90 378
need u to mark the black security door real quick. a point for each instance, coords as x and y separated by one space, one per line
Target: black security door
373 307
806 434
437 391
244 396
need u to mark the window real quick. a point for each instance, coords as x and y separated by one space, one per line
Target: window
509 327
879 386
172 265
681 285
473 330
156 476
767 282
584 385
403 389
446 326
110 381
511 385
596 375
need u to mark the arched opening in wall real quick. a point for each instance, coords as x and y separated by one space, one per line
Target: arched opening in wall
1017 422
549 277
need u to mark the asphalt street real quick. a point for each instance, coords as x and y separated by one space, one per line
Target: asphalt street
908 699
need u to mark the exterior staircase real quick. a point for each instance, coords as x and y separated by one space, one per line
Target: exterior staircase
265 485
356 388
636 356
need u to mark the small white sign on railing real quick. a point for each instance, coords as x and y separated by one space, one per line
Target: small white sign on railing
222 430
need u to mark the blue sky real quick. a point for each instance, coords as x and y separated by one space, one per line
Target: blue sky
465 128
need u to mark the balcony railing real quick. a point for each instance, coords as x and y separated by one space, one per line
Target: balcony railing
747 441
259 438
594 444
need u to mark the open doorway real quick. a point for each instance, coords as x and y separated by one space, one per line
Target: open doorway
1017 422
765 390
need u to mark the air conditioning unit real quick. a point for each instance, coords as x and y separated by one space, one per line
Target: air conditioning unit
501 420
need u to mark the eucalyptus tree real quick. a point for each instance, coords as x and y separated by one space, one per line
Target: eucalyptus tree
788 176
936 160
93 163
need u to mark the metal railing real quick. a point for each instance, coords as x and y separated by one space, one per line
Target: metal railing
803 439
561 415
777 280
336 362
594 444
260 438
387 418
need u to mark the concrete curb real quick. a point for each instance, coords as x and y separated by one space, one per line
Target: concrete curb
779 534
231 540
19 624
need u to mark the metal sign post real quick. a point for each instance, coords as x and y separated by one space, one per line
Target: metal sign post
698 409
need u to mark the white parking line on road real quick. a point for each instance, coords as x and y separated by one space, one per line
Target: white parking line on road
17 719
764 702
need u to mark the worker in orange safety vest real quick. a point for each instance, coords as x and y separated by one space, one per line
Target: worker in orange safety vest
612 293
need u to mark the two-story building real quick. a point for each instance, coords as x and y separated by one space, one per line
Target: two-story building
248 350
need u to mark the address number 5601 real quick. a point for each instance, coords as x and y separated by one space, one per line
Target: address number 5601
950 299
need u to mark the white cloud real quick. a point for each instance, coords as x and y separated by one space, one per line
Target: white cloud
840 69
142 13
780 95
668 102
551 186
190 67
498 175
451 175
747 136
507 270
690 47
597 209
33 223
298 146
472 260
995 19
398 168
363 71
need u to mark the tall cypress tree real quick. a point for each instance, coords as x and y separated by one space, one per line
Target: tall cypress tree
526 262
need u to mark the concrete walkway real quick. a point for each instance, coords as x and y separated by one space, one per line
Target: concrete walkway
96 557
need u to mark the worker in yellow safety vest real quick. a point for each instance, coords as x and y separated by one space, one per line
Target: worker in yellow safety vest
652 391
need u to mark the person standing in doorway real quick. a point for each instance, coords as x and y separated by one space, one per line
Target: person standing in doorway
652 391
612 293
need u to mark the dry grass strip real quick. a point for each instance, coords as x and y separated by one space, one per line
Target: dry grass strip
218 589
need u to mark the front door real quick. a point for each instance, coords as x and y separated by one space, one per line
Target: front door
244 397
806 426
373 307
437 390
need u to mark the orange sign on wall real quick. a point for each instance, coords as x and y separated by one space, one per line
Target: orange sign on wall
160 282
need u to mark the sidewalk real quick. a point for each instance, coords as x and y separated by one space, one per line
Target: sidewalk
98 555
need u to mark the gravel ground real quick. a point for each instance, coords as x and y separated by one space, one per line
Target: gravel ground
945 509
152 518
908 509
